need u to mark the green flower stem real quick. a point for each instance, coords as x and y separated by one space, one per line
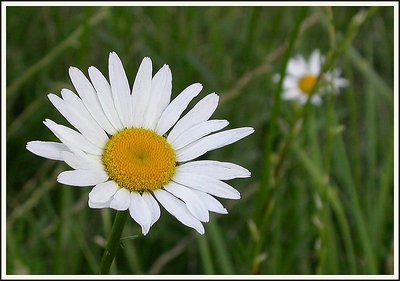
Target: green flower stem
113 242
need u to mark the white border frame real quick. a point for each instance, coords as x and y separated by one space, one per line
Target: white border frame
6 4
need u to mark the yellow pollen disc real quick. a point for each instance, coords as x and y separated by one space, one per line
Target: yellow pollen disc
307 83
139 160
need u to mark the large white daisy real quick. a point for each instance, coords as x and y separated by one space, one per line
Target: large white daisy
136 151
302 76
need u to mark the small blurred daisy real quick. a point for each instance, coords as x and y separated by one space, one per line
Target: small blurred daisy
136 151
302 76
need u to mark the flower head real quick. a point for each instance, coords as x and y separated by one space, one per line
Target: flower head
302 76
137 151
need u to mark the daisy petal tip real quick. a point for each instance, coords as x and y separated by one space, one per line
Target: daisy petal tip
224 122
113 57
250 131
222 211
51 96
236 196
60 178
64 91
201 231
90 204
198 87
147 60
166 72
72 70
30 146
145 229
47 123
245 174
92 70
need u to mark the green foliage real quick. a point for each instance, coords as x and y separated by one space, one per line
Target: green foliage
320 199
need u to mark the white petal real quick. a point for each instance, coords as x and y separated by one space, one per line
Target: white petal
276 77
178 209
75 104
82 177
211 203
301 99
71 138
103 192
297 67
47 149
193 202
316 100
174 110
153 207
160 96
198 131
104 94
212 142
90 100
140 212
340 82
141 91
290 82
120 89
202 111
206 184
121 200
99 205
215 169
315 63
291 94
93 133
79 162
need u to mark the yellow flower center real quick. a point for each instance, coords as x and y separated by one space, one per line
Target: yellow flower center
139 160
307 83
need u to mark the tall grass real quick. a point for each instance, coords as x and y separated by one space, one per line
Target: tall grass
321 196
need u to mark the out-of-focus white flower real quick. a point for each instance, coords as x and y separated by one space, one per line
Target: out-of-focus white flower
301 78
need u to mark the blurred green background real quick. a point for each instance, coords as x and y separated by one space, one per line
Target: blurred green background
320 199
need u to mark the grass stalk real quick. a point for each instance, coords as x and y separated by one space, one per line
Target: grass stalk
205 255
221 250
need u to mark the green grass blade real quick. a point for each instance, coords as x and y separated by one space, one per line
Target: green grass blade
220 249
